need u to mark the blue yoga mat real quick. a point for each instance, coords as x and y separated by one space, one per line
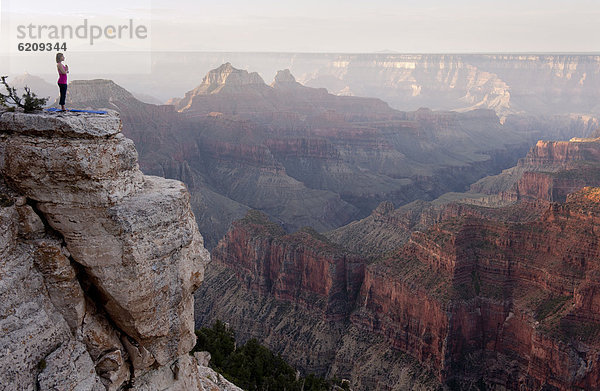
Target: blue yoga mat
54 109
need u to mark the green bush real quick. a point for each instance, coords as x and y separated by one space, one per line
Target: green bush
218 340
253 366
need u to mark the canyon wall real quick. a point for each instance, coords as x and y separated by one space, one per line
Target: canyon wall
550 171
303 267
494 294
502 296
98 262
505 83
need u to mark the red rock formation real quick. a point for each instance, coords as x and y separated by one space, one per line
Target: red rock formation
508 295
303 267
561 153
550 171
524 291
404 313
564 167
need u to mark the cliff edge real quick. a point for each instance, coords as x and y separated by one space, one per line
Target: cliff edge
98 262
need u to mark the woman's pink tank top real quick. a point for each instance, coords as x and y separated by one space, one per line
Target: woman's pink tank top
62 79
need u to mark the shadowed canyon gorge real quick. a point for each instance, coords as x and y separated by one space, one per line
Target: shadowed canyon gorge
494 296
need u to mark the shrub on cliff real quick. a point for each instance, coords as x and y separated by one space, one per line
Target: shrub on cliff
29 101
218 340
253 366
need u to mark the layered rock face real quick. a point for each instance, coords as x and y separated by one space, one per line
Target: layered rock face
99 262
303 267
497 291
443 82
503 82
383 230
295 293
517 264
504 296
550 171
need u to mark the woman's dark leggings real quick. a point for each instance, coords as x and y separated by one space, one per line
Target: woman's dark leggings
63 93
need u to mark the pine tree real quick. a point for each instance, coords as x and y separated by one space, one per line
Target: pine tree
29 101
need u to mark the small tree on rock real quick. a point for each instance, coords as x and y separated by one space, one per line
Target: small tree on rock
29 101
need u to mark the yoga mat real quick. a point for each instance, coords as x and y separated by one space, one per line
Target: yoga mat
54 109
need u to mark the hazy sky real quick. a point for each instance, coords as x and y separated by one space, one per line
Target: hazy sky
349 25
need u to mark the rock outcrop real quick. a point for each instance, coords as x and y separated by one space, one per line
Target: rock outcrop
284 78
99 262
222 81
225 79
550 171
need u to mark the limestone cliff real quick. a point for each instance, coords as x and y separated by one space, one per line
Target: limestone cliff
98 262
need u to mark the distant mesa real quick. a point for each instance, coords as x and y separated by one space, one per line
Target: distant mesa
285 78
238 92
99 93
38 85
226 75
223 80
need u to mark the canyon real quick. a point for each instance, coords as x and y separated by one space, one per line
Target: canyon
485 290
309 158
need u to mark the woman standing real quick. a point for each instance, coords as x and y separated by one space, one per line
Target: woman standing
62 79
